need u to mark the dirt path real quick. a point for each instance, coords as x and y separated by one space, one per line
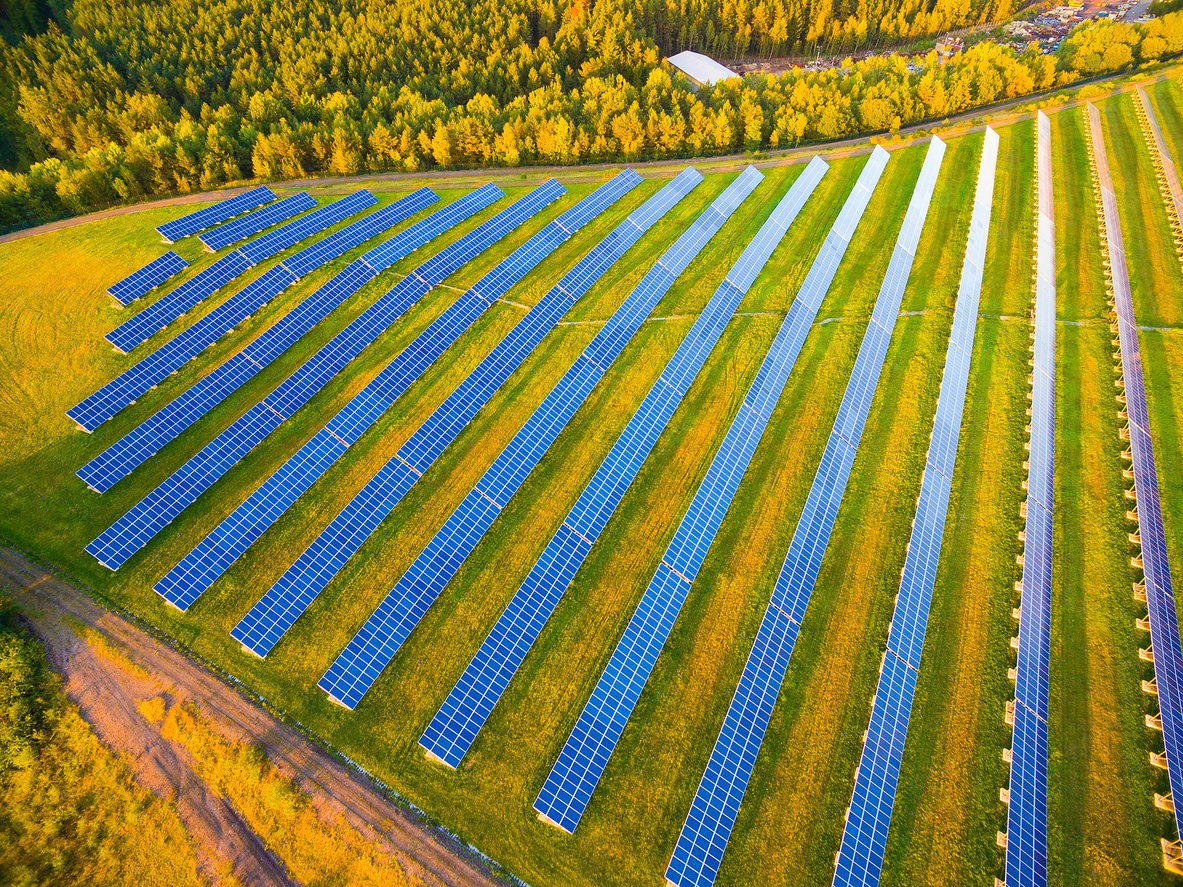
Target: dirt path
724 163
108 693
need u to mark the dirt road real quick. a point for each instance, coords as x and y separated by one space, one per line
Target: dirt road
108 693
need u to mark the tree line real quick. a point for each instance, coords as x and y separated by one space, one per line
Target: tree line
117 102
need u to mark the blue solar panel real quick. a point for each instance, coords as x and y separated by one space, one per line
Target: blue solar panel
207 561
212 215
454 728
149 516
129 452
864 840
147 278
253 223
172 305
581 763
1156 567
133 382
267 621
704 836
355 670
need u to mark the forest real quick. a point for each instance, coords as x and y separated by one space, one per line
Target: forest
101 103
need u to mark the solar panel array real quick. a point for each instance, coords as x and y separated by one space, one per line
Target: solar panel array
169 307
174 354
253 223
201 471
1160 595
581 763
864 840
147 278
368 653
172 305
130 451
462 715
1026 840
708 825
1165 166
238 532
279 608
212 215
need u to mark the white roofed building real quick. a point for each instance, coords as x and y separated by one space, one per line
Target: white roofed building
703 70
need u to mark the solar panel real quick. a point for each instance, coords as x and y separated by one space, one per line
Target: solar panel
140 524
454 728
130 451
211 215
1156 567
172 305
279 608
864 839
368 653
147 278
1162 156
218 550
253 223
704 836
133 382
585 754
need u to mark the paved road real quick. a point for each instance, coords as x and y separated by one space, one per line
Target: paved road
108 694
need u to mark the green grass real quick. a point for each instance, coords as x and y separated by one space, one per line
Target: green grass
1104 829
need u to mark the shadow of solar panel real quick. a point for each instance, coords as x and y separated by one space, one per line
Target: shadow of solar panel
704 836
212 215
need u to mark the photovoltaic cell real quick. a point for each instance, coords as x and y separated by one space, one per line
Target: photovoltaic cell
253 223
184 486
268 620
456 725
591 743
212 215
1160 595
218 550
119 460
355 670
704 836
133 382
864 839
147 278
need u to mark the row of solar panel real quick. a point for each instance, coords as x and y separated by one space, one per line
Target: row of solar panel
120 459
368 653
212 215
704 836
133 382
1160 597
864 838
1166 163
268 620
164 503
1026 854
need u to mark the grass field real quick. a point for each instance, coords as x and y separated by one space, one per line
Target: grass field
1103 827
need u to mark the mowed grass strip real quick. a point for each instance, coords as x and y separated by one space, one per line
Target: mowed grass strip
946 809
1098 804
